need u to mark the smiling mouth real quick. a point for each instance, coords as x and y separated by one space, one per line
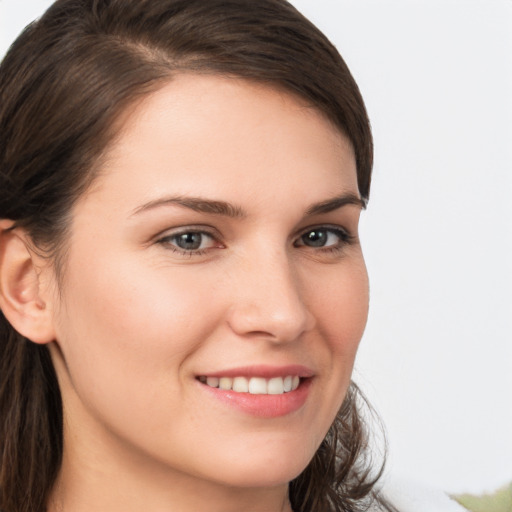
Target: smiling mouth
254 385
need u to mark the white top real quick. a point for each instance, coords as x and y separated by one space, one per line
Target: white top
409 496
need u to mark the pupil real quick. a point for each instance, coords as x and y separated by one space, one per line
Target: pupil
189 241
315 238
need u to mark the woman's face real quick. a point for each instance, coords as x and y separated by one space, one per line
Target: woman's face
218 247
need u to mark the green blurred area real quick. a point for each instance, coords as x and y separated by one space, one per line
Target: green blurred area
500 501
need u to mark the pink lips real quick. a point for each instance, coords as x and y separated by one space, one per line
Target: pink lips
263 405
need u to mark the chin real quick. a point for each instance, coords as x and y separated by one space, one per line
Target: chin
273 472
263 478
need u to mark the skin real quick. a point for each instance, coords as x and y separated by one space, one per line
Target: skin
137 319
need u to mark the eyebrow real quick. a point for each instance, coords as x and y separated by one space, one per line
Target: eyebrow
202 205
197 204
336 202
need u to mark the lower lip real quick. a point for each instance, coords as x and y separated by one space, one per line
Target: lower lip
263 406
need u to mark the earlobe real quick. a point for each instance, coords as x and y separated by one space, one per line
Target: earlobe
21 300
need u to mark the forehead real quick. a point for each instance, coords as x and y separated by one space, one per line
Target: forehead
199 131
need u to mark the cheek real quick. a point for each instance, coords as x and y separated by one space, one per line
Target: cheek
341 307
128 327
128 334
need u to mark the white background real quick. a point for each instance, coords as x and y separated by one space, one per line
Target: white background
436 358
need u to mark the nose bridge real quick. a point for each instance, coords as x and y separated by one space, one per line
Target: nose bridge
271 301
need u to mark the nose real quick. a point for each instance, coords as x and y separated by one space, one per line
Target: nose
269 301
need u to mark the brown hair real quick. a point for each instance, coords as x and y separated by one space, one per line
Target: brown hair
63 84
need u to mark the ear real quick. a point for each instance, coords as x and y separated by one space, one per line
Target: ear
21 299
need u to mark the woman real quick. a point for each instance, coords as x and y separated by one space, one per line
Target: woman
181 283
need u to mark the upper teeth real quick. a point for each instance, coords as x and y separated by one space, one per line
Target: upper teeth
254 385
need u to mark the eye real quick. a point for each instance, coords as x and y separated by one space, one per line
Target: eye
189 242
325 237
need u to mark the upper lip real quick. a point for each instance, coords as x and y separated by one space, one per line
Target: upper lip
265 371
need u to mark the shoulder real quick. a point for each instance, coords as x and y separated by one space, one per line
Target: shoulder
409 496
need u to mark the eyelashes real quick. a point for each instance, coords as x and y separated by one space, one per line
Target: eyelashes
190 241
324 237
197 241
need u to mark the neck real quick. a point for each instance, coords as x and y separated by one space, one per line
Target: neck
100 479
